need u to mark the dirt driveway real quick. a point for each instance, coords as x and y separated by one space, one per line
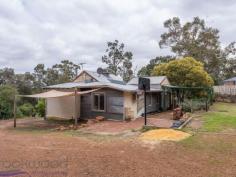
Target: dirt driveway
50 153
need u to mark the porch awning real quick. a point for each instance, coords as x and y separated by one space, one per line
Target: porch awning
57 94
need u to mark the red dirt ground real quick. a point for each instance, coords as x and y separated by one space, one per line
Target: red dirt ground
52 153
161 120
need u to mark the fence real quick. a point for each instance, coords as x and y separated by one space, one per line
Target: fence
225 90
225 93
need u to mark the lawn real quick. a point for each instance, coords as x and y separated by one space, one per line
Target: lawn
221 117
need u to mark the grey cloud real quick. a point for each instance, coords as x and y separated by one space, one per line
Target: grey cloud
43 31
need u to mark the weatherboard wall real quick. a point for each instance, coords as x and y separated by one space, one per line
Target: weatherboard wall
114 105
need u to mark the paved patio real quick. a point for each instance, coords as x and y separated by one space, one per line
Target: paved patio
161 120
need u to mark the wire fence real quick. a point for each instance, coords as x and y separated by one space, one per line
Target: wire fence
225 90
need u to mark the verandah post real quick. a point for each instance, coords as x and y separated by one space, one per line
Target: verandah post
14 111
75 114
145 107
45 111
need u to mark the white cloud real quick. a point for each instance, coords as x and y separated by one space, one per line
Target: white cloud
43 31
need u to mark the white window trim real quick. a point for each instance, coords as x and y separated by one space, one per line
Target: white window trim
98 93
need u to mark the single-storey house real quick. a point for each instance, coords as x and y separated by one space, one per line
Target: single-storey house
231 81
104 94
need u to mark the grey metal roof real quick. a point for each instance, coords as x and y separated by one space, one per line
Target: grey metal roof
76 85
104 78
153 80
121 87
231 79
70 85
110 81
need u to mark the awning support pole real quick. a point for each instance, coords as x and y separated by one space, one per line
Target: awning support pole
75 116
14 109
45 111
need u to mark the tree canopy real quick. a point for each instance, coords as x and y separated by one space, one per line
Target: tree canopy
184 72
147 70
195 39
119 62
28 83
7 94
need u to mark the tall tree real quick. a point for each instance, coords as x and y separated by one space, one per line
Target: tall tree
52 77
7 76
147 70
67 70
229 56
39 76
196 40
25 83
119 61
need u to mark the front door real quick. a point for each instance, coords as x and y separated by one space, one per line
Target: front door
85 106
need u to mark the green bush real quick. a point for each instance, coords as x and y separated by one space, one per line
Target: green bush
193 105
19 114
40 108
7 94
27 109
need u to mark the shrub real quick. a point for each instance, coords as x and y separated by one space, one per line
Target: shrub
40 108
186 72
27 109
7 94
193 105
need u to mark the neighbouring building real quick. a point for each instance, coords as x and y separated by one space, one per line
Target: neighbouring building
103 94
231 81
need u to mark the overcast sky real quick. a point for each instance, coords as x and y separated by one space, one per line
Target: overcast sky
47 31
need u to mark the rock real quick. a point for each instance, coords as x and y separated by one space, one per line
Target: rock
62 128
71 126
91 121
83 125
100 118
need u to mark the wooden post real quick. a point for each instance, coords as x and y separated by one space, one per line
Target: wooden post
75 114
206 105
191 105
145 107
14 109
45 111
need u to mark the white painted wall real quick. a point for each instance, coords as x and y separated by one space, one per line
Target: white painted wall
63 107
130 104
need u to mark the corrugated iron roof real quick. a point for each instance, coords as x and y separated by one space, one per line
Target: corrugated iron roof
231 79
104 78
76 85
121 87
153 80
110 81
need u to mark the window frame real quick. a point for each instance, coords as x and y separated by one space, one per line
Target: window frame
93 105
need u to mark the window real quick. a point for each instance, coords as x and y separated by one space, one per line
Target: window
99 101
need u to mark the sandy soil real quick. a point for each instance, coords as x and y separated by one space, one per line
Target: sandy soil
45 153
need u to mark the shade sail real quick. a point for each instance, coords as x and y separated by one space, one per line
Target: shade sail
88 91
50 94
57 94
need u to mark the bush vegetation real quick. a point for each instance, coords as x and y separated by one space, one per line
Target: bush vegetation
27 109
7 94
40 108
24 107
